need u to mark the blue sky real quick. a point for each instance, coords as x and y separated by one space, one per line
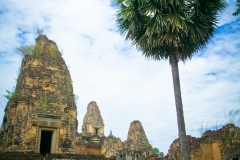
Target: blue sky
107 69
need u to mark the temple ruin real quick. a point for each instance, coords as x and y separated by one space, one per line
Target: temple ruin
93 125
40 121
41 115
222 144
44 108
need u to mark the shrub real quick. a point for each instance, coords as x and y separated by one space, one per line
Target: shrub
10 95
25 50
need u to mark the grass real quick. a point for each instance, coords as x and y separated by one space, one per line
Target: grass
38 48
54 51
11 95
145 145
25 50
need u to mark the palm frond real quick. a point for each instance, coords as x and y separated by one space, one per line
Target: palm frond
157 27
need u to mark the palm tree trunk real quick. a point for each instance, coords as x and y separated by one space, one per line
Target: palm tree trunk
179 107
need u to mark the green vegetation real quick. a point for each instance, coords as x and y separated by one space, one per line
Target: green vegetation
25 50
30 50
38 49
11 95
54 51
157 152
232 138
237 12
145 145
227 138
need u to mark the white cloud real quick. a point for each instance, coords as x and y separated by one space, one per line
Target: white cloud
106 69
227 16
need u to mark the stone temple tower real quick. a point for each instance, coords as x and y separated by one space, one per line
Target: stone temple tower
93 126
137 139
41 116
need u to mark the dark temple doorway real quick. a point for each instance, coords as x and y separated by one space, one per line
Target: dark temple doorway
45 144
96 131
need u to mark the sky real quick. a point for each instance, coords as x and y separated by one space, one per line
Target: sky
109 70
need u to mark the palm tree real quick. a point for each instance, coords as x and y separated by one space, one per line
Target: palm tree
170 29
237 12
